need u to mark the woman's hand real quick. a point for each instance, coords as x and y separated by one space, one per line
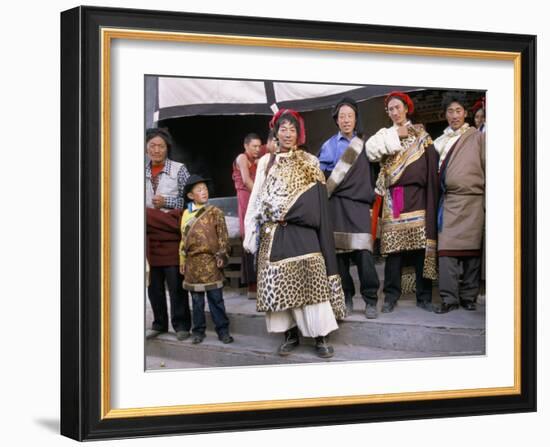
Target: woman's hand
219 263
182 269
158 201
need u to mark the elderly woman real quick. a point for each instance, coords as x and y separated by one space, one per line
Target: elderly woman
165 181
408 184
288 228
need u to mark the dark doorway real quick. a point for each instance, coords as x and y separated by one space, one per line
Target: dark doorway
208 145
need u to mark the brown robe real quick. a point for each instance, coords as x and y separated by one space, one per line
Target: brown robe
464 195
204 240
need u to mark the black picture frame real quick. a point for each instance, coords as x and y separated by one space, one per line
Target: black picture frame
83 406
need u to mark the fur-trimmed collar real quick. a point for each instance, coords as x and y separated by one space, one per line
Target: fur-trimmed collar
344 164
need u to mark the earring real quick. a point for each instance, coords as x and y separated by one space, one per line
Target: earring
277 145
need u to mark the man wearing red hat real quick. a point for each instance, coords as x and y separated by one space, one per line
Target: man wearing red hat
351 193
288 227
408 185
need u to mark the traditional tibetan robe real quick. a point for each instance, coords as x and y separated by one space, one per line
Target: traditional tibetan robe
350 198
287 225
462 207
204 240
408 182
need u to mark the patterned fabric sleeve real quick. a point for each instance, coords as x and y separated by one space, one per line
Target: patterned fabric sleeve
223 239
315 161
178 202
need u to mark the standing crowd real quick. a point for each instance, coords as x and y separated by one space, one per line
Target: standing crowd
305 219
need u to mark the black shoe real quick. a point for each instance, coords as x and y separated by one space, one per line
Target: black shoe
469 305
292 339
444 308
152 333
198 338
226 338
183 335
388 307
426 305
370 312
322 348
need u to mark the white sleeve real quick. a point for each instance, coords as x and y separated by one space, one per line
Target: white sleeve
253 210
383 142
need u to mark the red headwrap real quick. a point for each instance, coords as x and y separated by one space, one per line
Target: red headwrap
479 104
403 97
302 130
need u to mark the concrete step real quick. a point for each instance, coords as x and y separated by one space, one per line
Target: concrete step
407 328
165 352
407 332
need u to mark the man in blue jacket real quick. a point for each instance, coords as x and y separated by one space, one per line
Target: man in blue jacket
349 183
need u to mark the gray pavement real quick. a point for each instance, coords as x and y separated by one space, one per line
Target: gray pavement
408 332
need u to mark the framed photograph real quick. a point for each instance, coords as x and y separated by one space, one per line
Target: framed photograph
209 82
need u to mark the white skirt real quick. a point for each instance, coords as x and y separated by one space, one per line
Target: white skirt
313 320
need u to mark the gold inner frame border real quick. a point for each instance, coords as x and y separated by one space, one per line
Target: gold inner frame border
109 34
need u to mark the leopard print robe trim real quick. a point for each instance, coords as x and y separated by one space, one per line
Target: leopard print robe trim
301 280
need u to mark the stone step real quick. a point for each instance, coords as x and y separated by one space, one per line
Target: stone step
407 328
165 352
407 332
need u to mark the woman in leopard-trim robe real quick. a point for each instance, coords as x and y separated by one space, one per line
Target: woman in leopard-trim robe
287 226
408 185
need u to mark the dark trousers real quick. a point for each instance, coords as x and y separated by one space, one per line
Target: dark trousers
217 311
248 272
392 276
368 278
179 299
451 289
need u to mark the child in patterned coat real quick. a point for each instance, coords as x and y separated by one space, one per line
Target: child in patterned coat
203 254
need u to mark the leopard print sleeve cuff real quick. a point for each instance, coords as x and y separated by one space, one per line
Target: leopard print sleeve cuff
337 301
